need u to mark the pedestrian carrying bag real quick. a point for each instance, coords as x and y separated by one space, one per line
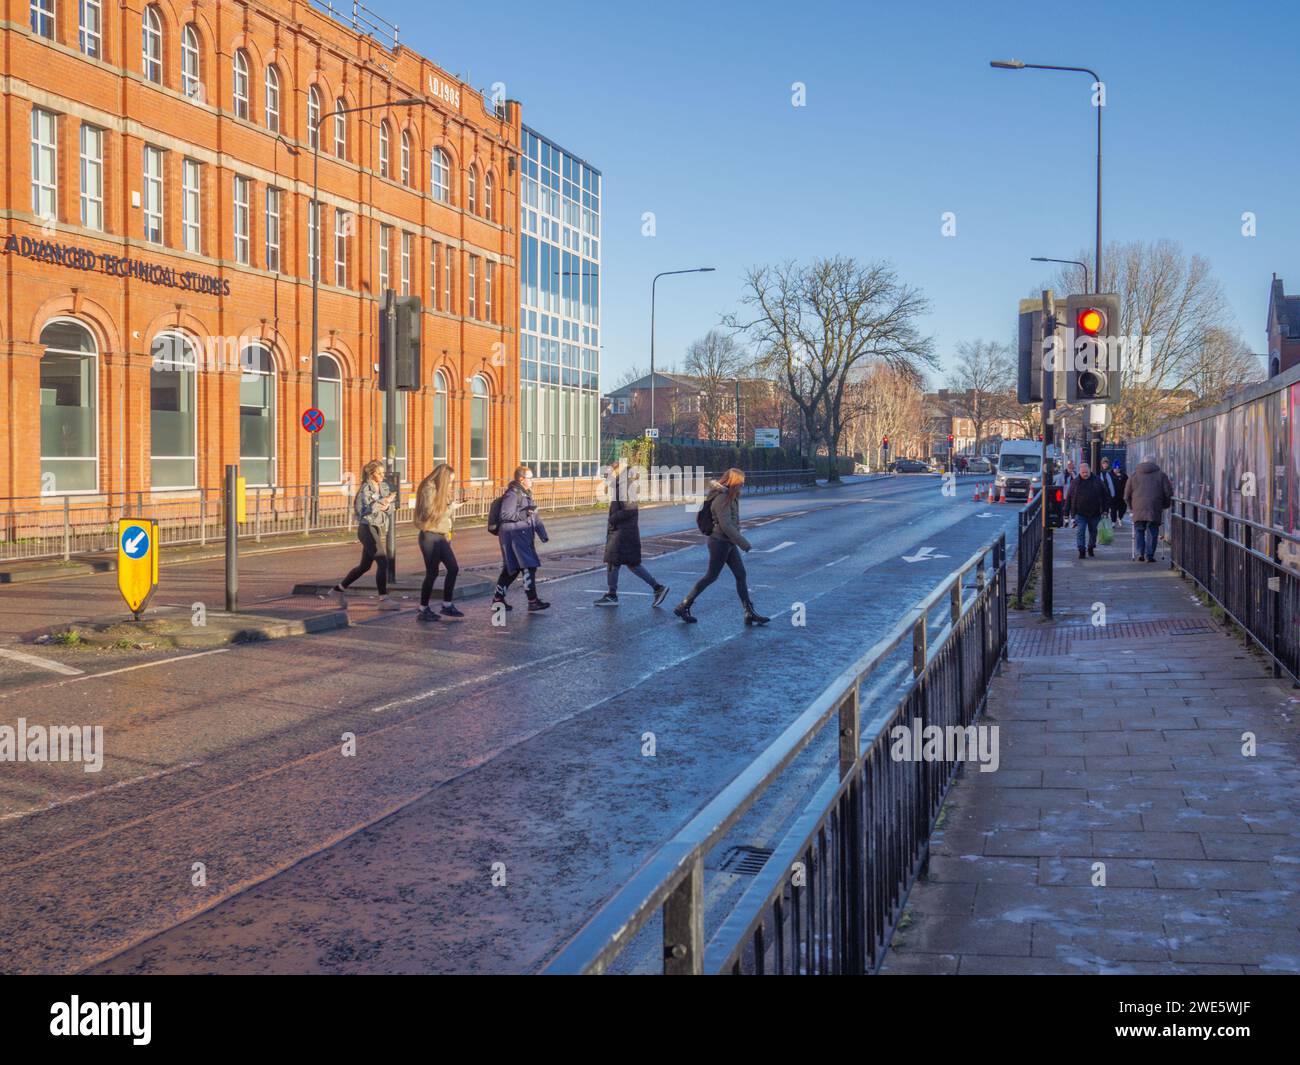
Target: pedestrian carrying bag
704 517
494 516
1105 532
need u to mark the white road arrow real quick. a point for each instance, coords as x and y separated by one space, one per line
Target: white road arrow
922 555
778 547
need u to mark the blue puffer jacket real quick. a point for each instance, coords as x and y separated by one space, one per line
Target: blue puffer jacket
519 525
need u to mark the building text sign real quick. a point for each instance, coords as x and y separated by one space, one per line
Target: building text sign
69 255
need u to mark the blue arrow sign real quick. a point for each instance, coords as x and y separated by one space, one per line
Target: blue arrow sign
135 541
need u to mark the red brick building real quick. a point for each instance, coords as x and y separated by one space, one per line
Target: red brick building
1283 329
157 248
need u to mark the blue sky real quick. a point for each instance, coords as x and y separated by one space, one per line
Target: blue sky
686 108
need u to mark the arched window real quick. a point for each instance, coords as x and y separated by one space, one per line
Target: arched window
239 83
69 401
330 390
313 117
440 176
191 81
172 408
151 46
439 417
257 415
340 128
478 429
472 189
406 158
487 195
384 170
273 99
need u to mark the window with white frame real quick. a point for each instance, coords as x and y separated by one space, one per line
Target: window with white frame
383 149
172 410
433 275
45 164
330 388
488 273
257 415
448 257
191 206
342 228
487 195
471 285
340 129
42 17
472 183
439 417
313 118
239 83
153 194
151 47
272 227
406 158
440 176
90 29
239 218
385 239
272 99
92 177
191 84
408 246
69 405
478 429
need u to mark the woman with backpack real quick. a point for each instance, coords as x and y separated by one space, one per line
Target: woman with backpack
374 511
434 510
623 539
517 524
719 519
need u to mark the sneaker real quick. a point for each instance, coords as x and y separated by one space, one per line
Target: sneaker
607 600
661 593
385 603
450 610
502 600
426 614
535 605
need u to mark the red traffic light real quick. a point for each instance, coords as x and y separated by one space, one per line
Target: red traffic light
950 439
884 441
1090 320
1059 495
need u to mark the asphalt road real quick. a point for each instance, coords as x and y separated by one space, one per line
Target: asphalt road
499 788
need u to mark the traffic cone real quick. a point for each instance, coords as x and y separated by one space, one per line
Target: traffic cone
976 497
1003 497
1031 494
990 499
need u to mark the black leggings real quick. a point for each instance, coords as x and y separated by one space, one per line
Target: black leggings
505 579
436 550
371 549
722 553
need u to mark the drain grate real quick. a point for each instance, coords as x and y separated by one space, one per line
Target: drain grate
1060 639
746 860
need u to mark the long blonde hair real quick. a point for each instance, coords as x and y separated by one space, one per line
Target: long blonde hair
732 481
433 497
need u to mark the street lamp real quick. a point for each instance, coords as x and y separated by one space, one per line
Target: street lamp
1016 64
1068 262
653 283
314 208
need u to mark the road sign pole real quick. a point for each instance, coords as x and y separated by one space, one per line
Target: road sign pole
232 540
1049 433
390 417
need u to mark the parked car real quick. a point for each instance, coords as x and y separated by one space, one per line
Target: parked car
908 466
979 464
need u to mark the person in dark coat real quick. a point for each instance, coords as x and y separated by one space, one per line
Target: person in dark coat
1086 501
1149 493
1118 506
623 538
726 541
519 526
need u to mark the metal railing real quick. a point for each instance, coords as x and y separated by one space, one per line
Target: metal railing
1029 541
864 835
59 527
1238 564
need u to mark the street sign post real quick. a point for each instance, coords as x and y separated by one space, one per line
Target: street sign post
137 562
767 437
652 433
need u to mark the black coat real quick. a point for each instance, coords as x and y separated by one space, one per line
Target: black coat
623 540
1087 497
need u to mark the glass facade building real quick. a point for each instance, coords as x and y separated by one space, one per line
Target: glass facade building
559 314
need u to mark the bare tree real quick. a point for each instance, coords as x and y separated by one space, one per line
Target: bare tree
817 326
631 374
983 382
1223 364
883 403
717 361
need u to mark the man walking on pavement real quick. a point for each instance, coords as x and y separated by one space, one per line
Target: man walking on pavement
1086 501
1149 493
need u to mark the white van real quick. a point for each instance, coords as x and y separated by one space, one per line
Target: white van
1020 468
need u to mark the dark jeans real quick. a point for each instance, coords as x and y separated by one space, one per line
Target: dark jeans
1088 526
1145 536
611 576
722 553
372 548
436 550
505 579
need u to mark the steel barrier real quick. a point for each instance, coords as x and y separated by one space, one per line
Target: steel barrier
860 841
1029 541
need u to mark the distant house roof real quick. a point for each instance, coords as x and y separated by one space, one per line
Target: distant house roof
662 380
1285 310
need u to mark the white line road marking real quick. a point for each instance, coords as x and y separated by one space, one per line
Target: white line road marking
56 803
828 565
124 669
43 663
778 547
482 678
923 554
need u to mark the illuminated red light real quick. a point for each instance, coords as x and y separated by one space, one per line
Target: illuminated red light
1090 320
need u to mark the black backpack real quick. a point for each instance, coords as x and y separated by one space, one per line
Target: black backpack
704 516
494 516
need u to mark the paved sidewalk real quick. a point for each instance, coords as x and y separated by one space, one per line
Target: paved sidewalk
1121 747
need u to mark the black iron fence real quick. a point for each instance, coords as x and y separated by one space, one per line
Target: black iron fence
1029 541
830 895
1251 571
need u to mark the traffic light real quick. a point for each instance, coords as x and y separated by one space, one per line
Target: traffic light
1094 357
884 442
1029 376
950 441
406 344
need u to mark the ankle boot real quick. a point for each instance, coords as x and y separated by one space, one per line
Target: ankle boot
683 611
752 616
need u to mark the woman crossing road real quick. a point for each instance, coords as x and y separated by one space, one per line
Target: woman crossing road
374 511
721 516
623 538
517 527
434 512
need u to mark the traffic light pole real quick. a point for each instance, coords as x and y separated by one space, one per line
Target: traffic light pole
389 364
1049 436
